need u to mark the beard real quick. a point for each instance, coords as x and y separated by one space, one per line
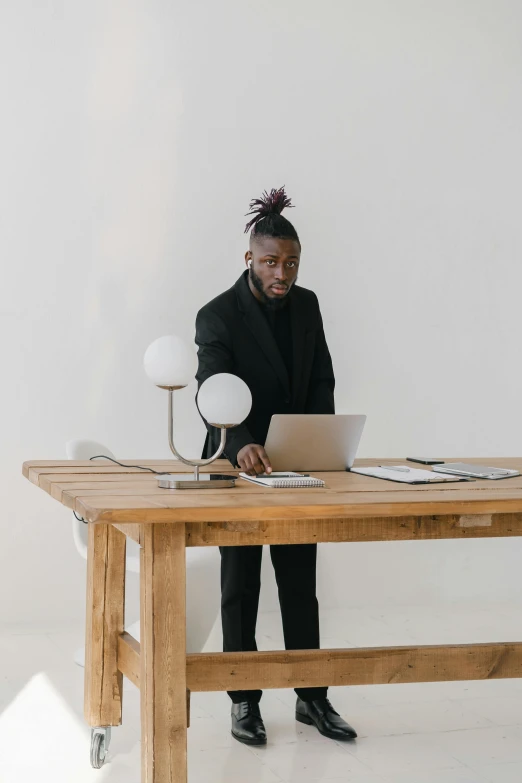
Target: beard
271 302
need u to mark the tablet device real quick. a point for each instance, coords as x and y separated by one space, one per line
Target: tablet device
476 471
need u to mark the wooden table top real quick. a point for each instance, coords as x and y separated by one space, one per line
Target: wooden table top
104 492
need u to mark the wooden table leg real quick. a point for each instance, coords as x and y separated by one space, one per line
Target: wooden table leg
163 654
105 619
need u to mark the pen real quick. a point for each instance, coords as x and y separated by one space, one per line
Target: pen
283 475
393 467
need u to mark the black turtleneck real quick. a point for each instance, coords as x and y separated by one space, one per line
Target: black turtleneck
281 327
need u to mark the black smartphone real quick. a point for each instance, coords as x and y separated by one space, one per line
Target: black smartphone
426 460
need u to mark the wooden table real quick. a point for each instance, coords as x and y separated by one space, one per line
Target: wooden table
120 502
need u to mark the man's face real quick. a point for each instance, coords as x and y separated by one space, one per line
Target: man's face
273 269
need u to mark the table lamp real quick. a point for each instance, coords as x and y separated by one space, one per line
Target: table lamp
224 400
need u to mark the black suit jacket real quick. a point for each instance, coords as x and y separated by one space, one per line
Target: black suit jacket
233 336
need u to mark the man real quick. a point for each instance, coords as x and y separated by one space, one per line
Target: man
269 332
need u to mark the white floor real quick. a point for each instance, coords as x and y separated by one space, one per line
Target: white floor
465 732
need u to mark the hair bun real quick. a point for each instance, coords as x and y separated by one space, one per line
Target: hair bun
271 203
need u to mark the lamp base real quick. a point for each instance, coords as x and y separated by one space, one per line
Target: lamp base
205 481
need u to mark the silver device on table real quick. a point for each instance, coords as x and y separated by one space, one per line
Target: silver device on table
313 442
475 471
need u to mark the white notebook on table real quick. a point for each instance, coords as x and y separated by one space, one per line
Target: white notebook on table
284 480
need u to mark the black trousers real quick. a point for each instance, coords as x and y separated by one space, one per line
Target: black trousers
295 571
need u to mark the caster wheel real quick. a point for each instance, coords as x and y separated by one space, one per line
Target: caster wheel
100 739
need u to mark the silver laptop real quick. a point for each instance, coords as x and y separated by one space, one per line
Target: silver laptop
313 442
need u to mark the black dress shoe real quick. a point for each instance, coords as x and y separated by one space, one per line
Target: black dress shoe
247 723
327 721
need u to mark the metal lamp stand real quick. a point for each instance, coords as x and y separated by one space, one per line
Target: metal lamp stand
198 481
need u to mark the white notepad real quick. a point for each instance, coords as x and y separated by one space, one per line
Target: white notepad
284 480
405 474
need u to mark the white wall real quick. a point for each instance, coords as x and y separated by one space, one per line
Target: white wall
133 135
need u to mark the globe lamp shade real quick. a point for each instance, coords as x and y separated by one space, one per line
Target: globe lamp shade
224 400
170 362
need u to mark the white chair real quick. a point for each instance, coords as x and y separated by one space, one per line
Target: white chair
203 565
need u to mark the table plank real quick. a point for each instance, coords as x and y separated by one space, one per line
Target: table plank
368 666
305 531
257 506
333 481
32 470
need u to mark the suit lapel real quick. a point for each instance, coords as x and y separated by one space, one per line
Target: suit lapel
298 317
258 326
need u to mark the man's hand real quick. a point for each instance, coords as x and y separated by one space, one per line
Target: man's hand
253 459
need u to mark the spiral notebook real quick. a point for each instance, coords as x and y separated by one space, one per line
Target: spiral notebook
284 480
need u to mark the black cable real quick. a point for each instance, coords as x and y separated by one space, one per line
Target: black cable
103 456
139 467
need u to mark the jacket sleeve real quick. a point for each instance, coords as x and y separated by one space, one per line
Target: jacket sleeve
215 355
320 398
